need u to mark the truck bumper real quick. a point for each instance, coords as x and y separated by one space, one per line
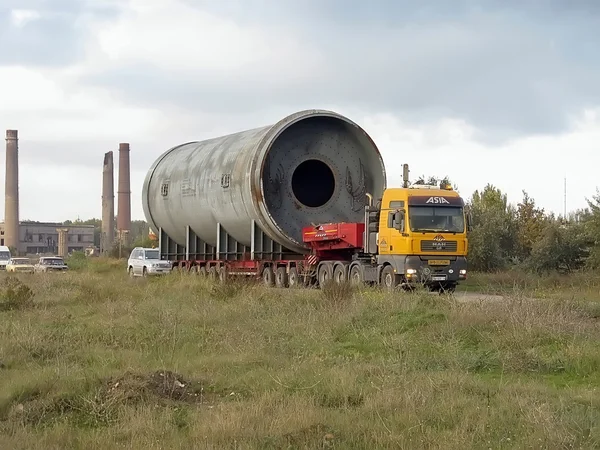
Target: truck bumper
434 270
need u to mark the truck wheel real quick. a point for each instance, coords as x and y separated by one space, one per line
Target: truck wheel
268 276
281 277
340 273
356 275
145 272
293 280
223 274
325 273
130 270
389 279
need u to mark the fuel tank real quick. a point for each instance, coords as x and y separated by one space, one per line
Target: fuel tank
311 167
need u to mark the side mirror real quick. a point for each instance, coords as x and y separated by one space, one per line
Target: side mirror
399 220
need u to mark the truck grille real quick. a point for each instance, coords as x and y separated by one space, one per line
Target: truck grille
439 246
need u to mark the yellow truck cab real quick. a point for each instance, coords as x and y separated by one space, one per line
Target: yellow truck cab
422 237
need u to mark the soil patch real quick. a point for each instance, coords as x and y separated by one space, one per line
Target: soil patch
162 384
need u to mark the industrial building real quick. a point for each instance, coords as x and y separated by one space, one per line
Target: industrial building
43 237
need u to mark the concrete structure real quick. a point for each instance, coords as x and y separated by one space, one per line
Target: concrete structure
124 194
107 238
11 190
42 237
63 242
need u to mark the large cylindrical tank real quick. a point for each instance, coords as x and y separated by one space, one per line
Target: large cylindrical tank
312 166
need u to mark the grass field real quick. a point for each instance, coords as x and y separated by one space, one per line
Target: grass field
92 359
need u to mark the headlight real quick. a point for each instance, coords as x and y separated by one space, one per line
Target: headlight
411 271
463 271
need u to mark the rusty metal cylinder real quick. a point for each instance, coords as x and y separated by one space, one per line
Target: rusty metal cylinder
313 166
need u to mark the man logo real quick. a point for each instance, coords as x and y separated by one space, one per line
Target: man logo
439 242
437 200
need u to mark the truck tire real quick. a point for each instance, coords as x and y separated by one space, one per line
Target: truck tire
356 275
268 276
340 273
325 273
293 279
281 277
389 279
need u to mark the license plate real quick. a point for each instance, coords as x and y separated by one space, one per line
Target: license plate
438 277
439 262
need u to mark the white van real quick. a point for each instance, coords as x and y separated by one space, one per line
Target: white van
4 256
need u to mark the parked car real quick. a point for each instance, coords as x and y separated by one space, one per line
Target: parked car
4 256
50 264
146 261
21 265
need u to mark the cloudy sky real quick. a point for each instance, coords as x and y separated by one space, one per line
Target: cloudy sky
498 91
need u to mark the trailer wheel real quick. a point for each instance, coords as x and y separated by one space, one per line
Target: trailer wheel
281 277
340 273
325 273
356 275
223 274
268 276
202 271
293 280
212 272
389 279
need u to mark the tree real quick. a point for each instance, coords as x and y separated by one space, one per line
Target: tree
492 240
558 248
590 221
531 222
435 181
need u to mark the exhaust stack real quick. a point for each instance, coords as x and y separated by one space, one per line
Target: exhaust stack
11 191
124 195
108 205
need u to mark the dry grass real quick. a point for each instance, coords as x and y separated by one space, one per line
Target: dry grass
101 361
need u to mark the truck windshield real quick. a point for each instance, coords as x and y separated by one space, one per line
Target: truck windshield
436 219
4 255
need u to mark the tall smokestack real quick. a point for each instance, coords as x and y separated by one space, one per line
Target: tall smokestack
124 193
11 191
108 205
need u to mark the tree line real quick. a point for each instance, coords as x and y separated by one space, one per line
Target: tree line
527 237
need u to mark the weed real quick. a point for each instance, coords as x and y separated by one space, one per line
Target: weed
15 295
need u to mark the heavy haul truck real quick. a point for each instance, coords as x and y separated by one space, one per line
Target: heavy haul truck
301 202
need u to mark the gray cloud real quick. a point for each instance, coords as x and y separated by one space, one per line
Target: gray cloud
509 70
56 38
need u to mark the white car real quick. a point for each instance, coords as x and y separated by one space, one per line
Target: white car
146 261
4 256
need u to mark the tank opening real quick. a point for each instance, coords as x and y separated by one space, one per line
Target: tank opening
313 183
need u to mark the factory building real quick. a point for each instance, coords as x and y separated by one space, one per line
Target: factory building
54 238
42 237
